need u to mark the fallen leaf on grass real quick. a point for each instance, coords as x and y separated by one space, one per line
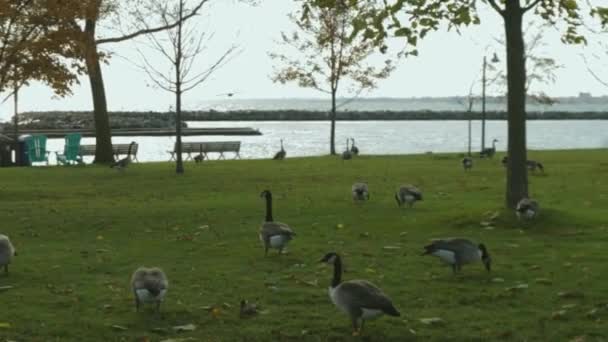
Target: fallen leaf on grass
432 321
118 327
498 280
569 306
182 328
179 339
5 288
391 247
313 283
517 287
5 325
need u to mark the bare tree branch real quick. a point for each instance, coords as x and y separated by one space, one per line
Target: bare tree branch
496 7
151 30
531 6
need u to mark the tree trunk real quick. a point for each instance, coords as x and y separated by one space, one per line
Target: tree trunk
332 117
103 149
517 174
179 163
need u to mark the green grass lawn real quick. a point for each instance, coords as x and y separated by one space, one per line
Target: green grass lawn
81 232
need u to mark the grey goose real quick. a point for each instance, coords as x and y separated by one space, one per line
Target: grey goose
360 191
457 252
527 208
124 162
274 234
7 252
359 299
467 163
149 285
408 194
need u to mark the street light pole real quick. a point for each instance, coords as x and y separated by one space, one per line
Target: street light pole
483 105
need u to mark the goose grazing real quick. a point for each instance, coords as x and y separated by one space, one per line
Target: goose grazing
408 194
124 162
360 299
360 191
281 154
354 149
490 151
457 252
347 154
527 209
7 252
532 165
505 161
149 286
274 234
247 309
467 163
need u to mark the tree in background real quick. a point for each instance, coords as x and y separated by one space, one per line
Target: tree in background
329 52
423 17
180 48
32 45
79 20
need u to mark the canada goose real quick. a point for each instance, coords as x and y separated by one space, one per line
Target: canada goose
360 191
467 163
527 208
149 286
347 154
274 234
457 252
354 149
360 299
408 194
7 252
532 165
124 162
201 157
247 309
281 154
489 151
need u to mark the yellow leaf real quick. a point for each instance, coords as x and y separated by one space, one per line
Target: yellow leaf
5 325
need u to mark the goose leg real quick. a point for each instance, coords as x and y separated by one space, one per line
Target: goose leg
355 326
158 306
136 304
454 267
265 249
6 269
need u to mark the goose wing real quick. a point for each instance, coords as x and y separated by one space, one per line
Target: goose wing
458 246
270 229
361 294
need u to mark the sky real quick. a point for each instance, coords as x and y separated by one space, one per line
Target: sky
447 64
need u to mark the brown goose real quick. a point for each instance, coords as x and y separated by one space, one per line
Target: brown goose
274 234
7 252
281 154
359 299
457 252
347 154
149 286
124 162
467 163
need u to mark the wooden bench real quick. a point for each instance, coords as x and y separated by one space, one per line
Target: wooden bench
117 150
205 148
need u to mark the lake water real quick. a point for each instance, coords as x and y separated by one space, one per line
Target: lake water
311 138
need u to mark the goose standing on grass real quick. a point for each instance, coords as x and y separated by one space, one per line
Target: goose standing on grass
149 286
347 154
408 194
281 154
457 252
200 157
527 209
274 234
360 192
360 299
489 151
467 163
124 162
354 149
7 252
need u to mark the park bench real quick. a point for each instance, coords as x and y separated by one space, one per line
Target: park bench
205 148
117 150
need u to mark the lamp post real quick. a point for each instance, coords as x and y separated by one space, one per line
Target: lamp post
483 99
